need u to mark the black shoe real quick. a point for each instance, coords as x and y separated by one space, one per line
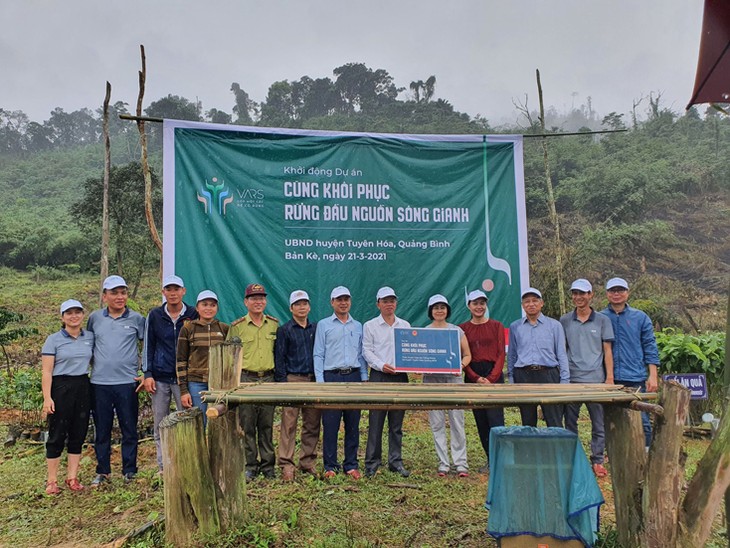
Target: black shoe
269 474
250 475
129 477
400 469
370 472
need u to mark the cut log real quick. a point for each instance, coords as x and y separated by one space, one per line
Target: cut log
625 444
665 470
226 438
224 368
228 467
190 505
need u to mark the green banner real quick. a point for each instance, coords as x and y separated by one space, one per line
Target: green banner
298 209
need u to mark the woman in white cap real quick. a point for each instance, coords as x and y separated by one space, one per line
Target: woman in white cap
439 311
66 356
193 344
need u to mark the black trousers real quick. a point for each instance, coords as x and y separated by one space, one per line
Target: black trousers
67 427
486 419
553 414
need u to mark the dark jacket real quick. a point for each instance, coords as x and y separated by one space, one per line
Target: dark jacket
160 343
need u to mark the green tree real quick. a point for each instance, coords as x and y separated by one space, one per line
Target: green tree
245 109
362 88
9 335
129 237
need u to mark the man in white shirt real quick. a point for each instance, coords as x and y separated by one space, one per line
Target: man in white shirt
378 349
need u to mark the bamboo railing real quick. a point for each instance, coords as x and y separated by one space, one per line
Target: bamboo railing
426 396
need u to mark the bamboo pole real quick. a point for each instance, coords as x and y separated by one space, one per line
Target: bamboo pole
421 396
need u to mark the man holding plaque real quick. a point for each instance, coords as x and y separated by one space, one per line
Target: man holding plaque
537 355
378 349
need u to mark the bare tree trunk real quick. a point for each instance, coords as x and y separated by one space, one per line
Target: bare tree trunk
551 203
625 444
665 471
707 489
104 263
145 164
226 439
188 487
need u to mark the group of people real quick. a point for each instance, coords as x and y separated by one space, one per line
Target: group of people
616 345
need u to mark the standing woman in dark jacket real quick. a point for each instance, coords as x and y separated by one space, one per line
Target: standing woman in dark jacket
66 394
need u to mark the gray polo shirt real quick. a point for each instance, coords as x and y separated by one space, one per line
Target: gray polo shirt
585 345
116 355
70 356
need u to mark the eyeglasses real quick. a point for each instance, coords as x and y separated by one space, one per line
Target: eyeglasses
618 290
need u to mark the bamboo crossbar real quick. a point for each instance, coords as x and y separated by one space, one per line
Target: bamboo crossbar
421 396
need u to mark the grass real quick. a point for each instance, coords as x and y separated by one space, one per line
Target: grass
422 510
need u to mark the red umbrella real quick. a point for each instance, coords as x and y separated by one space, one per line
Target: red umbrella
712 83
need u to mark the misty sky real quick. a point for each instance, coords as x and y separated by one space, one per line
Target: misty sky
483 52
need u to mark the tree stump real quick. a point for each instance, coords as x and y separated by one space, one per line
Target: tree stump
190 504
625 444
226 439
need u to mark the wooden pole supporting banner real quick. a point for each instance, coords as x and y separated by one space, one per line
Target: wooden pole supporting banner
190 505
226 438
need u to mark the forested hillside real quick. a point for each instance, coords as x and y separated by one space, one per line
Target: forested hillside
650 204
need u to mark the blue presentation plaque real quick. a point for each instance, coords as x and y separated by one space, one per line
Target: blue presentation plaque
696 382
427 350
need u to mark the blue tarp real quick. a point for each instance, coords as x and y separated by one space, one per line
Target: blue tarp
541 484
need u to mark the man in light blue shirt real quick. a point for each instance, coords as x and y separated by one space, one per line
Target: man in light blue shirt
338 358
118 331
537 355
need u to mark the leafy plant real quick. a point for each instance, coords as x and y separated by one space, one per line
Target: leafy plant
683 353
9 335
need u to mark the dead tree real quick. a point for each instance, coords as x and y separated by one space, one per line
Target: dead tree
145 164
104 264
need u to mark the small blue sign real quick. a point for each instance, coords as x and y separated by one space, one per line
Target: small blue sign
427 350
696 382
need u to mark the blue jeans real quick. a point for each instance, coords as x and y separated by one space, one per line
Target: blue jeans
195 388
108 399
331 426
645 422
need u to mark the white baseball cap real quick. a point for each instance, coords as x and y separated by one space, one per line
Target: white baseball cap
386 291
173 280
298 295
581 284
437 299
69 304
476 294
531 291
113 281
617 282
206 294
339 291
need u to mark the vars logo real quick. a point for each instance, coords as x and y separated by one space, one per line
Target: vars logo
216 196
